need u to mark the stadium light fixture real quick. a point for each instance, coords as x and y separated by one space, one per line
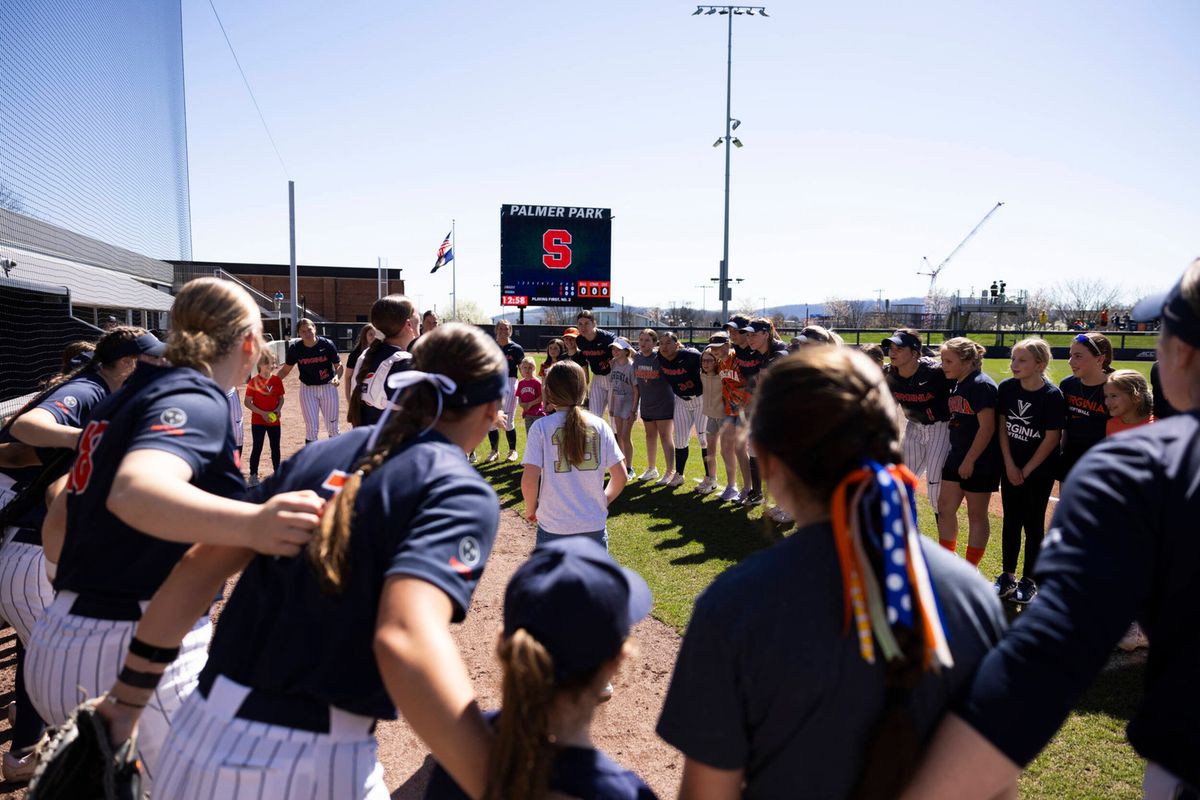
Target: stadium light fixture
731 125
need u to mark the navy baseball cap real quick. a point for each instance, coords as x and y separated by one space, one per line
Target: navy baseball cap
738 323
145 345
1178 317
577 602
759 326
902 338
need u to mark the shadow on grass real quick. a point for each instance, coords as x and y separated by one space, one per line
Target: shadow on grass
1117 690
505 478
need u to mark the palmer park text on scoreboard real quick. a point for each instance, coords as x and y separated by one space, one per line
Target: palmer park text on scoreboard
555 256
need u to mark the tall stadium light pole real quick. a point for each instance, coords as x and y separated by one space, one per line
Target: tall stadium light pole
730 124
292 277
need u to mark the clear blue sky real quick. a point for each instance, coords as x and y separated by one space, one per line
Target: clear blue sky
875 133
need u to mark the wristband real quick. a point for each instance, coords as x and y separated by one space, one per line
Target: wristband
126 703
139 680
155 655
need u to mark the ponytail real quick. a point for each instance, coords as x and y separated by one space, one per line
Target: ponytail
966 350
522 755
564 389
208 318
389 315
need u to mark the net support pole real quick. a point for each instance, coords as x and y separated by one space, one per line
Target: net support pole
293 278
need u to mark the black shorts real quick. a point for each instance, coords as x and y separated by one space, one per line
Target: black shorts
983 479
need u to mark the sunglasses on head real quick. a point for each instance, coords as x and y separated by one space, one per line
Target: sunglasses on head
1083 338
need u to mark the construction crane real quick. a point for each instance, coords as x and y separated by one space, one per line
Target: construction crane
935 271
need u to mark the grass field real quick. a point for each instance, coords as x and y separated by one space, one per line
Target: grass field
680 542
998 369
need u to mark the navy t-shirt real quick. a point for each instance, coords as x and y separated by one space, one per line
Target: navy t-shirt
924 395
748 362
768 682
317 364
1028 416
514 354
682 372
577 772
596 352
1126 517
173 409
1087 416
427 514
775 351
967 398
70 403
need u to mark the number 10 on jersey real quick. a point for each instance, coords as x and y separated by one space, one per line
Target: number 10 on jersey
591 452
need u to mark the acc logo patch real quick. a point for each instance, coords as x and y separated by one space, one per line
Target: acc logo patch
70 402
175 417
335 482
469 551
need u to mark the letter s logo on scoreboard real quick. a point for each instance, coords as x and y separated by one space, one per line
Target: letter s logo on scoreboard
556 244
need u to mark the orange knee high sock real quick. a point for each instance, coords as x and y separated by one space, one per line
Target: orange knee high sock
949 544
975 555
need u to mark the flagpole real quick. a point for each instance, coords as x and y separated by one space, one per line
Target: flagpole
453 274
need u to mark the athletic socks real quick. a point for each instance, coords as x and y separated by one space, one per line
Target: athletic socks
709 470
755 481
975 555
494 440
681 456
512 439
949 544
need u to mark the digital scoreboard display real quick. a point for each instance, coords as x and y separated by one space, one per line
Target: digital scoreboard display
555 256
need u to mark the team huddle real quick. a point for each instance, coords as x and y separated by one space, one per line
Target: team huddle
854 658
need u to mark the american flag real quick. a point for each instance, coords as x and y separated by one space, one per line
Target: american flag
445 255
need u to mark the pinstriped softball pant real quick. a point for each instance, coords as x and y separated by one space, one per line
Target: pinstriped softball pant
598 394
925 449
689 414
25 591
508 404
210 753
315 402
73 658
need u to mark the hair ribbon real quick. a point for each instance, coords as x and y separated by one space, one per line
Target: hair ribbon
398 383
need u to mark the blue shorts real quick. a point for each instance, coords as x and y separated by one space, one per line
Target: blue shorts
544 536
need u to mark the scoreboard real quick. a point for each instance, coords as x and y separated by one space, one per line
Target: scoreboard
555 256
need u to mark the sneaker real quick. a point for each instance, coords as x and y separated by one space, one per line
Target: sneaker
779 515
252 480
1005 585
1026 591
706 486
649 474
492 457
667 477
1134 638
511 457
677 480
19 770
630 474
730 494
753 499
472 458
606 693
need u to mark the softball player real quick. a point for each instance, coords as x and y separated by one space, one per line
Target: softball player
235 420
594 344
680 367
320 373
766 344
923 392
355 627
514 354
394 318
153 468
568 612
51 421
747 362
760 686
1087 416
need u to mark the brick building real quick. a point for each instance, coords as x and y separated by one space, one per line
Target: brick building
335 294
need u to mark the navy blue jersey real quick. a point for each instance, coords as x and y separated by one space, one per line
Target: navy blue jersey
578 772
1126 517
682 372
924 395
514 354
596 352
1162 407
968 397
768 682
1087 416
1028 416
70 403
427 514
775 351
173 409
317 364
382 359
748 362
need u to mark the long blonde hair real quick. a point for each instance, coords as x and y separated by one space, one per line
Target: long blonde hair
462 353
565 388
967 350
